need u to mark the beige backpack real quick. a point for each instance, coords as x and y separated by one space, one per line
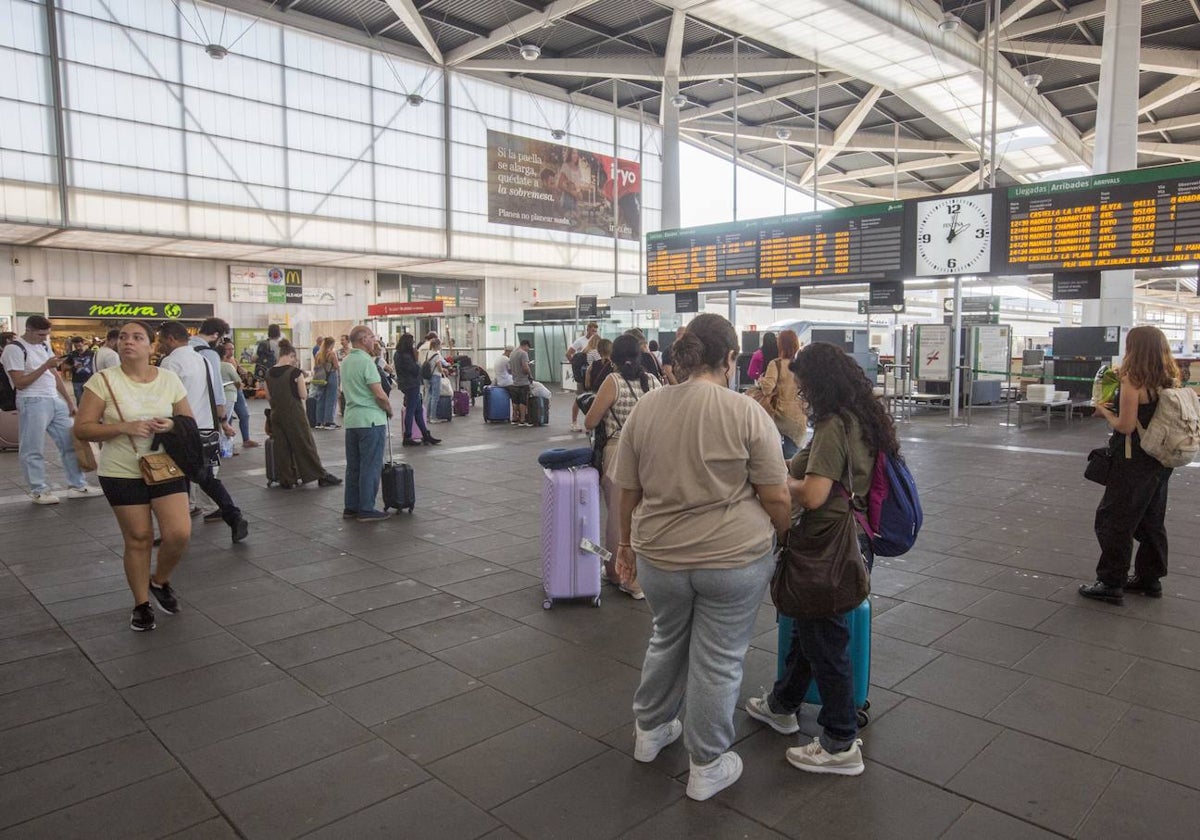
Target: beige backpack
1173 435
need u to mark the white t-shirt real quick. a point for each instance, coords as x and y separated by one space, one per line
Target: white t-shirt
503 372
13 359
580 343
192 370
138 401
106 358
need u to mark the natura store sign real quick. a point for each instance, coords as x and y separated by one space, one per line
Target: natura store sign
111 310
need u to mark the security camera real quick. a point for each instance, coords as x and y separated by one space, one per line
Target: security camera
16 260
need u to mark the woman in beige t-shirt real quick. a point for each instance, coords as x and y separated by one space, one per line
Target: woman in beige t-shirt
125 407
703 496
778 382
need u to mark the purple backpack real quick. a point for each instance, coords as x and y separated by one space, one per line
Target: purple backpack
894 515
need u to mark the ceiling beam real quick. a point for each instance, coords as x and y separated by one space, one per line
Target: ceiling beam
1016 10
648 67
1155 60
884 170
1053 20
771 94
412 20
515 29
672 63
1170 124
970 181
1168 92
862 141
843 133
876 193
1185 151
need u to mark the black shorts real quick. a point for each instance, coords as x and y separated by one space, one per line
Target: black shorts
134 491
519 393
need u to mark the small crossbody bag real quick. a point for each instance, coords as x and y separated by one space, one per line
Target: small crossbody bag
156 467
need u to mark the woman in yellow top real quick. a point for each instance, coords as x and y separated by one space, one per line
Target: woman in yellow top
148 398
700 508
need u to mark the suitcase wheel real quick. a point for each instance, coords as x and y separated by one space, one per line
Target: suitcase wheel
596 601
410 508
547 604
862 717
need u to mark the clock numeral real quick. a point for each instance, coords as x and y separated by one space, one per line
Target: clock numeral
951 263
953 208
926 239
981 233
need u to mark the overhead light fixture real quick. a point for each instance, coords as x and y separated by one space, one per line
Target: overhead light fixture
783 133
558 134
29 280
216 51
126 285
679 100
531 52
949 23
415 99
1032 80
211 289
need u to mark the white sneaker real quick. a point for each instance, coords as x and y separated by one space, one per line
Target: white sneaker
575 427
813 758
759 709
84 492
707 780
45 499
647 745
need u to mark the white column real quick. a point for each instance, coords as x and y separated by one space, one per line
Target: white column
1189 336
670 155
1116 140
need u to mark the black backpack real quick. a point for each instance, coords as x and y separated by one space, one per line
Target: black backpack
579 365
8 394
427 369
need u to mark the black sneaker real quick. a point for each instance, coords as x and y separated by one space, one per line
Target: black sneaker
1100 591
240 529
431 441
349 514
213 516
165 596
1150 587
142 618
328 480
410 442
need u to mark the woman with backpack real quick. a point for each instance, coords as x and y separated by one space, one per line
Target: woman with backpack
408 383
1134 505
780 397
850 427
326 374
616 396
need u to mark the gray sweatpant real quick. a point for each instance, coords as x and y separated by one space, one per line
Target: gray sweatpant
703 620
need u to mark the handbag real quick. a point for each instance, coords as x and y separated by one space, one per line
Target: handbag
600 433
156 467
822 574
1099 462
84 454
770 401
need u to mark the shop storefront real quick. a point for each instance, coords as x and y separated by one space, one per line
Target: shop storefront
94 318
418 317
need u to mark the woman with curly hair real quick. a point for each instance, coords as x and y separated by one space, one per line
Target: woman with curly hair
1134 506
849 428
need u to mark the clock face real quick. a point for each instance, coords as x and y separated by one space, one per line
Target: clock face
954 236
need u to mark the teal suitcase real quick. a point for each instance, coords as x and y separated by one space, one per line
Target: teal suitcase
860 657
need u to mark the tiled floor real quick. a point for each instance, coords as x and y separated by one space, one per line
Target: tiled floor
401 680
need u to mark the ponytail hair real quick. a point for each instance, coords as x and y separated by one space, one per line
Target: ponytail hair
705 345
627 358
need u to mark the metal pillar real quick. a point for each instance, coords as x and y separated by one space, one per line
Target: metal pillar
956 349
56 101
670 155
736 84
447 157
1116 140
616 191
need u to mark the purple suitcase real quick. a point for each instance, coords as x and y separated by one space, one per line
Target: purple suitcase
462 404
570 513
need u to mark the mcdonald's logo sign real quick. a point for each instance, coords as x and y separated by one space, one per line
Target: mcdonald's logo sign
293 277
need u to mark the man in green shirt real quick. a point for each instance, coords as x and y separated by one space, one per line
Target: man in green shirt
367 413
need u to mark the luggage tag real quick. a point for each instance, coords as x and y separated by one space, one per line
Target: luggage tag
599 550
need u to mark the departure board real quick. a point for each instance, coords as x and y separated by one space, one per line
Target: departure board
855 243
1136 219
700 259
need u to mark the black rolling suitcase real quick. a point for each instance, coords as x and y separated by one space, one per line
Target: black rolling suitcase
539 411
269 461
310 408
399 492
445 408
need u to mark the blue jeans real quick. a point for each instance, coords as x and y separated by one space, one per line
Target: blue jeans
703 620
412 401
327 405
243 415
821 650
433 390
364 462
77 387
39 416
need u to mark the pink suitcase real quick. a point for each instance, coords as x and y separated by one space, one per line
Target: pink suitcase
9 435
570 514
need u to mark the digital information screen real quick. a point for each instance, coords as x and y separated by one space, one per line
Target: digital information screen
1136 219
855 243
702 259
850 244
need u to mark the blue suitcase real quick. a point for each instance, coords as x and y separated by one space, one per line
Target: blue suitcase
539 411
445 408
497 405
860 657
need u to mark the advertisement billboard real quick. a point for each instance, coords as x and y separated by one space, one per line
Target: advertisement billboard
538 184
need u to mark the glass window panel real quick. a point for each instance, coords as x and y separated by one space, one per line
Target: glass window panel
225 159
135 98
23 26
232 193
323 95
236 75
126 50
325 135
120 142
26 166
229 116
467 160
327 57
155 17
314 173
241 34
394 148
406 186
27 127
23 76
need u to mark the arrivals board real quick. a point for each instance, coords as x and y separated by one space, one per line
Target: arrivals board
1137 219
854 243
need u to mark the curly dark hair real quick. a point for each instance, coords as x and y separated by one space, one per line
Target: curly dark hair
832 383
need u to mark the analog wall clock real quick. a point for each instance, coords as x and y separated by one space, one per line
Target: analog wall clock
954 236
